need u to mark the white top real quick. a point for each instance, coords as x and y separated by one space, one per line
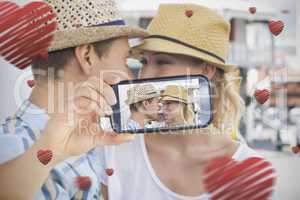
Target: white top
134 177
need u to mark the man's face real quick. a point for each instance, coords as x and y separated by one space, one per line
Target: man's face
173 112
152 108
114 60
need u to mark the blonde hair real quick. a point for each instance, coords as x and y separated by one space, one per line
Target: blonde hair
188 114
228 104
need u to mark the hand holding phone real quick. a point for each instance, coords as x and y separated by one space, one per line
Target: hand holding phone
161 104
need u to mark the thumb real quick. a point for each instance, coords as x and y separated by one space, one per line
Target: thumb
114 77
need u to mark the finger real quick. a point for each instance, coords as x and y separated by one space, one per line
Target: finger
92 102
113 77
104 89
102 107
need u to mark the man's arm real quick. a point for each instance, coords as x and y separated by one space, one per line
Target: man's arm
22 177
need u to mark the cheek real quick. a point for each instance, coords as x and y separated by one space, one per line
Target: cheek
166 108
113 62
196 70
147 72
173 108
178 108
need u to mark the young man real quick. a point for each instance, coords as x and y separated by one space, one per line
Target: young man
143 102
61 116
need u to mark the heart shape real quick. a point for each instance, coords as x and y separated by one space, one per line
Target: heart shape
83 182
252 10
44 156
189 13
227 179
285 11
296 149
276 27
262 96
109 171
31 83
25 32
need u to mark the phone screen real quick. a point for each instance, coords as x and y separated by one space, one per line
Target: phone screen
162 104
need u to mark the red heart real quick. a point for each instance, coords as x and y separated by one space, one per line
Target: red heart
31 83
189 13
296 149
285 11
276 27
83 182
252 10
227 179
261 96
25 32
109 171
44 156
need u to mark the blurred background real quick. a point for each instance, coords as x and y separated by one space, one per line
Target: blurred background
265 61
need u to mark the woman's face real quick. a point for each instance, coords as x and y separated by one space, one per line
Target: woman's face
173 112
162 64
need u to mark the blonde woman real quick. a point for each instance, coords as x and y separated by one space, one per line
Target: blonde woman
184 39
176 110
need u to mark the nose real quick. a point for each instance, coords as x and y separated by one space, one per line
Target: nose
130 74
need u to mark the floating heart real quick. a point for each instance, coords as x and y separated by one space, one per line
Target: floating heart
83 182
261 96
227 179
276 27
189 13
109 171
26 32
296 149
31 83
44 156
252 10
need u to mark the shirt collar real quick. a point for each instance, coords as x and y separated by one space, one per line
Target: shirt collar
35 116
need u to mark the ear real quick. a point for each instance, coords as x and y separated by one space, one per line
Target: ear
145 103
83 56
209 70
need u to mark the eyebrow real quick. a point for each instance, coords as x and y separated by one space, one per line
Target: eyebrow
164 55
160 53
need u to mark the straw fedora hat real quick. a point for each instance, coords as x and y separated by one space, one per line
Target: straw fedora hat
88 21
191 30
140 93
175 93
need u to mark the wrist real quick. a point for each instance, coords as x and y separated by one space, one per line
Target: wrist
45 146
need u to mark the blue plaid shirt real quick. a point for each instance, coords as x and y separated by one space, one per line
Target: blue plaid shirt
19 132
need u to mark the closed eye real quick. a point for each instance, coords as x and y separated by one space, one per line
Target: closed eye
162 62
143 61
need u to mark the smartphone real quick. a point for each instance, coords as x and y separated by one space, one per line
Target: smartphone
155 105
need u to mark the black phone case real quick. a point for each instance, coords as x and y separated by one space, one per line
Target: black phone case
115 119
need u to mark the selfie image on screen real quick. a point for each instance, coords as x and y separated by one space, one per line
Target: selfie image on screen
164 104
